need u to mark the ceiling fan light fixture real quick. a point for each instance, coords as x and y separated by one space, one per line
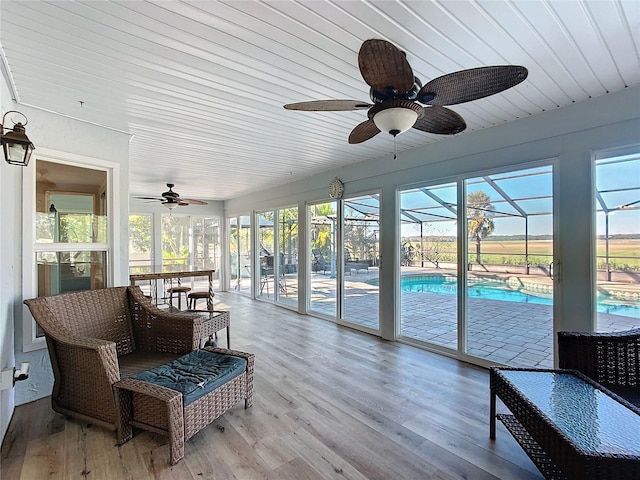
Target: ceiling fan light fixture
171 205
395 120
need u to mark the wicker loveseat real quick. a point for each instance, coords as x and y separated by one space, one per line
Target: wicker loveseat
611 359
97 337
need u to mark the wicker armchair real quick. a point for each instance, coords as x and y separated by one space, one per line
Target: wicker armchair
97 337
611 359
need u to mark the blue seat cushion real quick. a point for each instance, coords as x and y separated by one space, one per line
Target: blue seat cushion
195 374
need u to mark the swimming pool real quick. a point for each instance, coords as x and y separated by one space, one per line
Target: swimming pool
498 289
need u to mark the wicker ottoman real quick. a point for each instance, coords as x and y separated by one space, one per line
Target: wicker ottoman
153 403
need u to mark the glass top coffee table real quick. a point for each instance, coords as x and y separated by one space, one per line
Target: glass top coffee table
570 426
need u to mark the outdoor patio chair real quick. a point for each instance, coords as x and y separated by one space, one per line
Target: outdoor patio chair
319 262
611 359
97 337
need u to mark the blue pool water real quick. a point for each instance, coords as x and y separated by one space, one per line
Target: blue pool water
478 288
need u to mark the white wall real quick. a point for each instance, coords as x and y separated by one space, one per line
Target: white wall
52 133
567 136
10 278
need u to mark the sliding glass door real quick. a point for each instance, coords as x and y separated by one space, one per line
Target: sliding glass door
267 253
287 259
240 253
323 237
429 264
509 294
495 301
617 214
278 255
361 261
345 260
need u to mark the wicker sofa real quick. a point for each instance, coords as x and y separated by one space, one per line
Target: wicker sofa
611 359
97 337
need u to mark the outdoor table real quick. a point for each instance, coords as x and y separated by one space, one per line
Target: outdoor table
165 272
570 426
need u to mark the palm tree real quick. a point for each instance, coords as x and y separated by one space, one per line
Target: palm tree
322 218
480 214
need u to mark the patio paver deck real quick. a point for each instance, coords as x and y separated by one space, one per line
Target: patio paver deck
511 333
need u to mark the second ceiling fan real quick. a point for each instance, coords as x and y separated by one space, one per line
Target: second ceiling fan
397 94
171 199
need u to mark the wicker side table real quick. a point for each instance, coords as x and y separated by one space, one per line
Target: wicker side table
161 410
212 322
570 426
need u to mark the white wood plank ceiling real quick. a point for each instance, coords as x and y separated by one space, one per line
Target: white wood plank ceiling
201 84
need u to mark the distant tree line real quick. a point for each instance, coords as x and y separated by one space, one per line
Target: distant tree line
506 238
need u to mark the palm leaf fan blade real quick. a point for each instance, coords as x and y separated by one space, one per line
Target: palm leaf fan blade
473 84
328 106
383 65
363 132
440 120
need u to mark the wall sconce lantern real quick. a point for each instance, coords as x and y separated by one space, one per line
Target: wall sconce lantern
16 145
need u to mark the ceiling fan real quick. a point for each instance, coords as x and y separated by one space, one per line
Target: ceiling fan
171 199
396 94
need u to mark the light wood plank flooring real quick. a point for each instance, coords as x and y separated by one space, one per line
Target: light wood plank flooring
330 403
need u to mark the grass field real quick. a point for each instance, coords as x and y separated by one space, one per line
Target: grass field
624 254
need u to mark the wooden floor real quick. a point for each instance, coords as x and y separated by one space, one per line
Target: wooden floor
330 403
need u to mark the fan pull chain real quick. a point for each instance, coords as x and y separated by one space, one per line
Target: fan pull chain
395 149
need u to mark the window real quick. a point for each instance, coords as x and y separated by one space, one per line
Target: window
345 261
67 233
495 301
140 243
360 235
617 205
240 253
323 234
278 255
509 294
71 228
266 254
288 256
429 264
191 241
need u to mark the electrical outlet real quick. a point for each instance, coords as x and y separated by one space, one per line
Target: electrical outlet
10 376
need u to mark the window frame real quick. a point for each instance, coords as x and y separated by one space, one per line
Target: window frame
30 340
614 153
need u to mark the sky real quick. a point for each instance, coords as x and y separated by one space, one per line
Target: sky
618 180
